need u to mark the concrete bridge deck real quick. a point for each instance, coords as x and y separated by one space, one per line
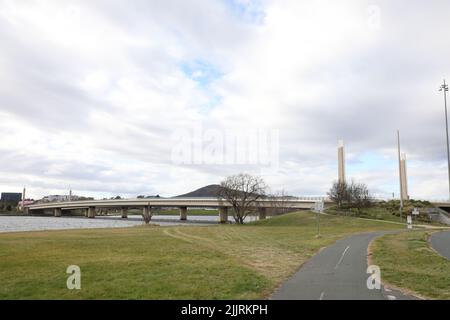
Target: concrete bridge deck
90 207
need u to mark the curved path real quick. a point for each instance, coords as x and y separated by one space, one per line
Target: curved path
337 272
440 241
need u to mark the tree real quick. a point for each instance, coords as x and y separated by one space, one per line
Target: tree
242 191
359 196
339 193
353 195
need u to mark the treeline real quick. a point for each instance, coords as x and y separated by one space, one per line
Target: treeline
8 206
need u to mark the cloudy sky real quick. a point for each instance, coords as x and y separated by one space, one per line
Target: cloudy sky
162 97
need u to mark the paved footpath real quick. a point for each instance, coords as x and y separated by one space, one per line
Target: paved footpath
440 241
337 272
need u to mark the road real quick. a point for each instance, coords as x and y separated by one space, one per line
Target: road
337 272
440 241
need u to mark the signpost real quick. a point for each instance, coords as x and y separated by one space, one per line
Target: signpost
319 206
318 209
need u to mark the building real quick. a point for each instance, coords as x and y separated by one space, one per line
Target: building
26 202
60 198
11 197
55 198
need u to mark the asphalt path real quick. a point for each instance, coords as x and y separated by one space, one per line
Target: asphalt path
440 241
338 272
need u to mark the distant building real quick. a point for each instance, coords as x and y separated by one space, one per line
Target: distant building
59 198
55 198
26 203
11 197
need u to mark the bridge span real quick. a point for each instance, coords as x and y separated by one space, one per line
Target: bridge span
91 207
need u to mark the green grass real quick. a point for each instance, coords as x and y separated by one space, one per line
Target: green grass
407 261
213 262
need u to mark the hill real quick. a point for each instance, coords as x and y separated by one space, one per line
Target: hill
208 191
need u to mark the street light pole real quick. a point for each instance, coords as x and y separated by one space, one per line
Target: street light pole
444 88
400 175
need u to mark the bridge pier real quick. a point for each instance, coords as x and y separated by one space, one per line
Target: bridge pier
26 210
124 212
223 214
57 212
183 213
262 212
91 212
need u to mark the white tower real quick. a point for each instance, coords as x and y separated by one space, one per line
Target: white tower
341 162
403 177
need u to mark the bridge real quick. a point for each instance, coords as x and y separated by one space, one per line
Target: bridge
442 204
90 208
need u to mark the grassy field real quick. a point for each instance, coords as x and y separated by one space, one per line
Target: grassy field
213 262
406 261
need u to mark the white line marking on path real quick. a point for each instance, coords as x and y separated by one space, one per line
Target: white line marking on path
342 257
321 295
391 297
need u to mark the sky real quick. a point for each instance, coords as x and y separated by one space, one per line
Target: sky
146 97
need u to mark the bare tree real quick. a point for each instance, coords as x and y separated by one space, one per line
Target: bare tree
339 193
359 196
242 191
353 195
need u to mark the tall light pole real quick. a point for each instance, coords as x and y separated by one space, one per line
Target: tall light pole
444 88
400 174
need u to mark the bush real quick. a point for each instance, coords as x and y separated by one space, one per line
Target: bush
393 206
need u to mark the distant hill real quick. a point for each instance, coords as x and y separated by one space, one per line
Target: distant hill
208 191
212 190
